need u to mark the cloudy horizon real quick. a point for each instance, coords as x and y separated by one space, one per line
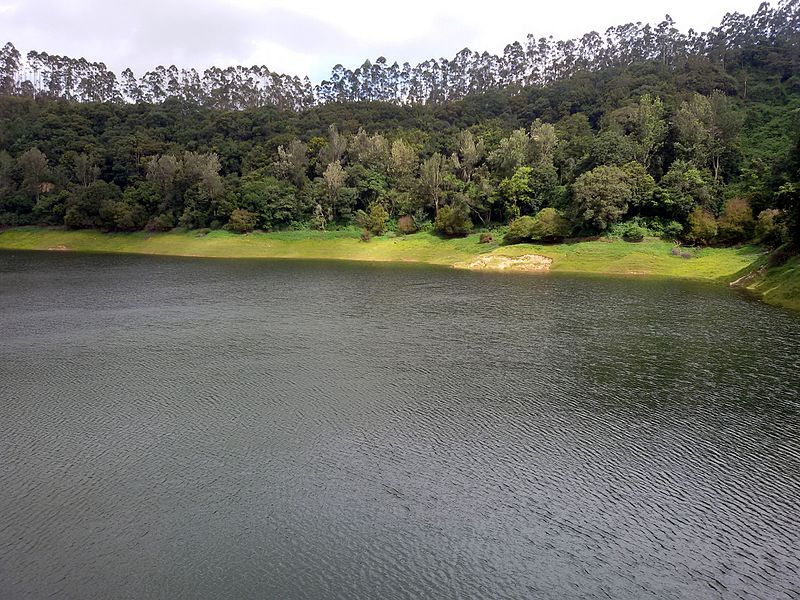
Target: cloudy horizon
311 39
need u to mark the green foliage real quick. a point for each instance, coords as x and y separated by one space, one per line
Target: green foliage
612 148
702 226
672 230
453 221
639 227
122 216
276 203
575 142
601 196
163 222
550 226
684 187
771 228
511 154
92 206
519 230
630 231
641 184
374 220
547 226
707 128
242 221
517 191
788 198
645 140
736 223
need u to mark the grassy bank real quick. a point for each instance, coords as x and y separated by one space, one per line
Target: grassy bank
778 285
650 257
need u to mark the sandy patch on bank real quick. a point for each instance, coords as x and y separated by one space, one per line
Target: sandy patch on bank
495 262
59 248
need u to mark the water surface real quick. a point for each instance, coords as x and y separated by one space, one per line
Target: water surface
190 428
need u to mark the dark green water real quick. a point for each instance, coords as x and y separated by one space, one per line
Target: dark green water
178 428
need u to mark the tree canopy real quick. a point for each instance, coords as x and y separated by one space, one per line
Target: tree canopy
643 123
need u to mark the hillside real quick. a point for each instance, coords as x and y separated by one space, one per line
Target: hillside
697 140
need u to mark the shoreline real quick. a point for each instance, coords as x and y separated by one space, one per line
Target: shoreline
652 257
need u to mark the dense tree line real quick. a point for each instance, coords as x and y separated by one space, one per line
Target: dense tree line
537 62
700 143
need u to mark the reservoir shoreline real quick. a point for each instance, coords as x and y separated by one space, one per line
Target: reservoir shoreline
743 267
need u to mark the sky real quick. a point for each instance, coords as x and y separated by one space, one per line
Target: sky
309 37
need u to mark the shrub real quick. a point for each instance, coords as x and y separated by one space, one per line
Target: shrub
702 226
736 222
519 230
672 230
242 221
74 218
378 216
162 222
453 221
406 225
122 216
771 227
630 231
635 233
374 220
486 238
550 226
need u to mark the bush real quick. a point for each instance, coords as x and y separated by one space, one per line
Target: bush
702 226
736 222
162 222
486 238
74 218
122 216
242 221
771 228
406 225
635 233
672 230
550 226
374 220
519 230
630 231
453 221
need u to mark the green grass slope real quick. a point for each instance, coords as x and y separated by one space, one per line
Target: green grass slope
650 257
779 285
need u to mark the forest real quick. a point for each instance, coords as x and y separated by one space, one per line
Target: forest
641 131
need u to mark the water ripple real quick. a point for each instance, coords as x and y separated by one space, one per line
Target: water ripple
200 429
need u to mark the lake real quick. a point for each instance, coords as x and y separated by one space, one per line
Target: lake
194 428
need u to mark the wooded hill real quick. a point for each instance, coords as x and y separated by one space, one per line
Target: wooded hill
642 130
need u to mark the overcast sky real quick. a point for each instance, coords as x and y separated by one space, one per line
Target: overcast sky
308 37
